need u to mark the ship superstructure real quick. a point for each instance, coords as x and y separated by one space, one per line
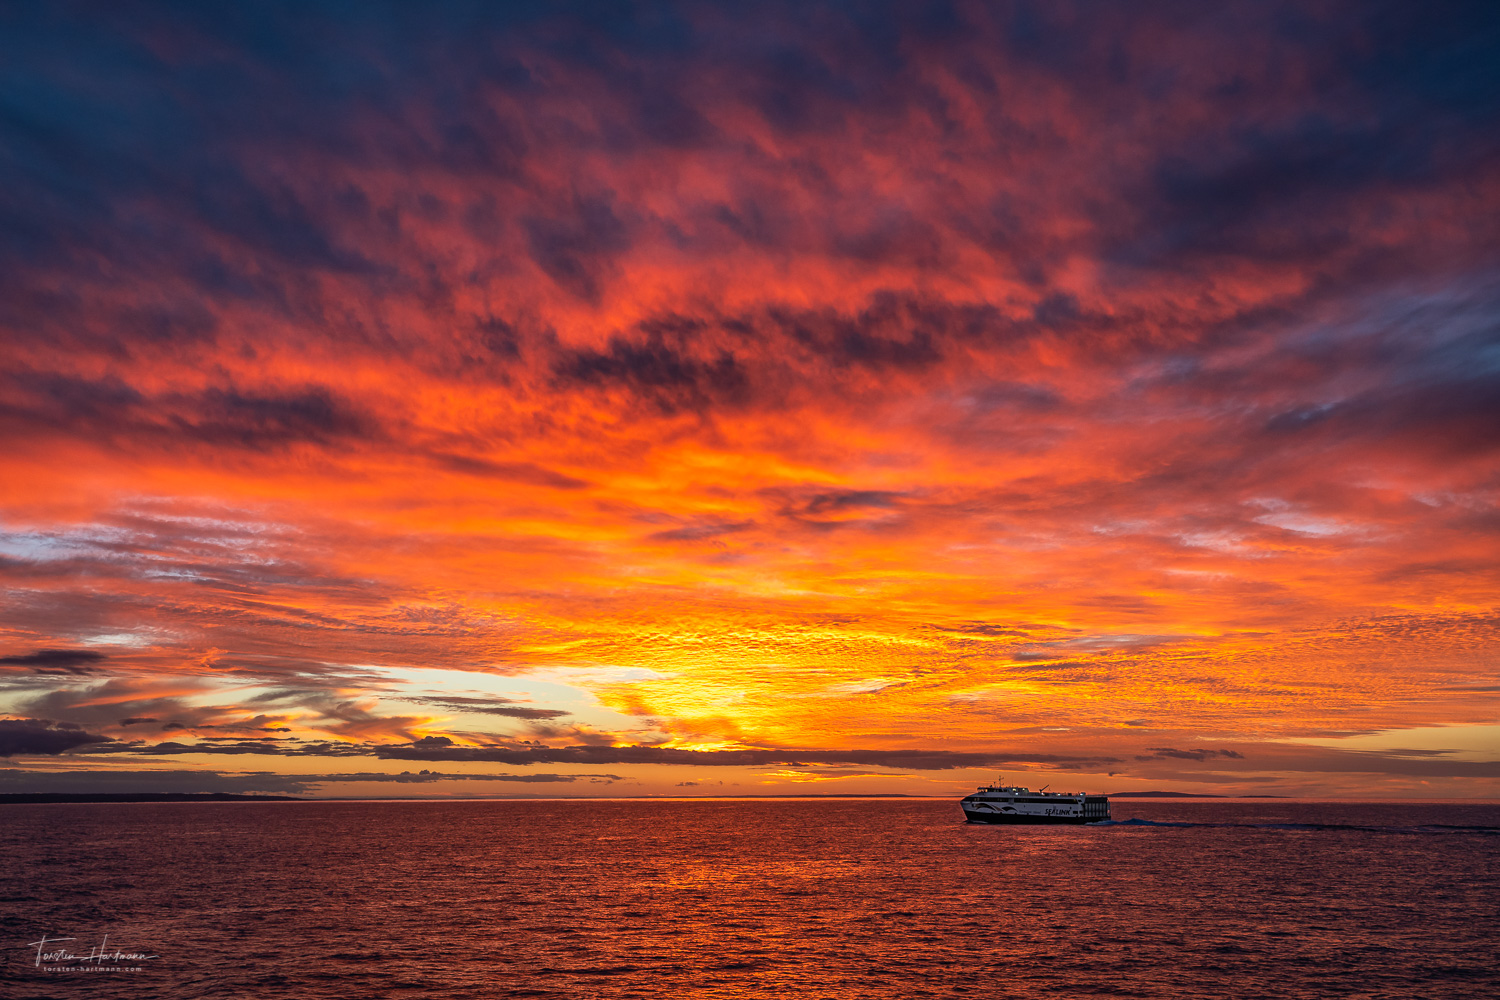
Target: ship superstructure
1011 804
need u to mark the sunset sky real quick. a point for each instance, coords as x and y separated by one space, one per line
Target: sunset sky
597 399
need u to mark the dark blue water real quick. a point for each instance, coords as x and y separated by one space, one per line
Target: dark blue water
782 898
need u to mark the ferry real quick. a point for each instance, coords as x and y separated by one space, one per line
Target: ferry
1008 804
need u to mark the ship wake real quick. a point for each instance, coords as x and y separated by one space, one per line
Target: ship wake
1434 829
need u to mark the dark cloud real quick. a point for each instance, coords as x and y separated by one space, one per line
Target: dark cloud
521 472
706 361
1198 754
828 510
261 420
1458 414
171 146
493 706
16 781
258 420
42 737
1292 758
444 748
441 748
576 248
827 503
57 661
428 777
702 531
268 746
891 331
670 378
99 705
1294 182
988 629
1396 100
50 398
1016 396
82 782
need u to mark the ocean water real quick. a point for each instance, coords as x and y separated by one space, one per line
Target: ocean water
770 898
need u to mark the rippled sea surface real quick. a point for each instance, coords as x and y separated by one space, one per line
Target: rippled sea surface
770 898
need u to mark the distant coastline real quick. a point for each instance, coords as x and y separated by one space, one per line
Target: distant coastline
9 798
1187 795
15 798
24 797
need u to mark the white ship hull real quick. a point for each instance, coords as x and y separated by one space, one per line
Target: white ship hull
1007 804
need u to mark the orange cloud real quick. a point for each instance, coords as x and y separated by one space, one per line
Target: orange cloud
935 389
